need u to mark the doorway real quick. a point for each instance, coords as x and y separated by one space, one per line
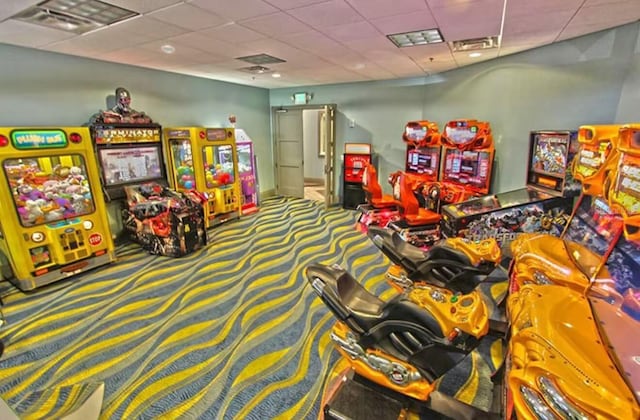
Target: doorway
304 143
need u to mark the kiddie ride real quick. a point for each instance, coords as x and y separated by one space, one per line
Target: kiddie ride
435 346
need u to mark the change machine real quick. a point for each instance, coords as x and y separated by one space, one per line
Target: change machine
53 217
206 159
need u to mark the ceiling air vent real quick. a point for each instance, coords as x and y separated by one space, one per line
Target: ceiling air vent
256 69
475 44
259 59
77 16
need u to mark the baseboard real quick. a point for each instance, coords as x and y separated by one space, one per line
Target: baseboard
268 193
314 181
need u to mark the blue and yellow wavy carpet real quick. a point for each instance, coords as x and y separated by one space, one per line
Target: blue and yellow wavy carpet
231 331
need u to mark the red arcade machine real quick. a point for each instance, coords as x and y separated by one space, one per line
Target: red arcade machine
422 159
356 157
544 205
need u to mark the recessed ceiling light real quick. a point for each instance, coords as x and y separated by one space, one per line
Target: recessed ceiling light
168 49
475 54
410 39
276 75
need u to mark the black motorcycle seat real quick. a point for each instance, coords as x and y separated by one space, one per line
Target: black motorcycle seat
343 286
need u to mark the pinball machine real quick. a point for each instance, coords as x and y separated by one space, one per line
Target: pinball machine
544 205
206 159
53 216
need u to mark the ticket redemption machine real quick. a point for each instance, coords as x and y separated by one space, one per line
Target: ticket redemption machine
356 157
248 170
206 159
544 205
53 218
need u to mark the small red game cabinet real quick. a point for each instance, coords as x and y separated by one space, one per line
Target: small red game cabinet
356 157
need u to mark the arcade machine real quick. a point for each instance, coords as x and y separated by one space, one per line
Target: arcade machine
593 327
545 204
356 157
53 218
128 145
248 169
422 159
206 159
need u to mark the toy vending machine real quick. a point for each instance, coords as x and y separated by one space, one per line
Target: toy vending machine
53 217
206 159
248 169
356 157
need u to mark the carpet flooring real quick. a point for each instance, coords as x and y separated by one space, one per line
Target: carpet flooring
231 331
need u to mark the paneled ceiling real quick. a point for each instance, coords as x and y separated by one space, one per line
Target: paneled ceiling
321 41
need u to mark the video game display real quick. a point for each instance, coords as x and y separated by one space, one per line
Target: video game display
423 160
130 165
551 155
467 167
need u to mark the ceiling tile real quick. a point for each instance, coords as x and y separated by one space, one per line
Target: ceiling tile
536 23
421 52
475 19
542 8
405 23
236 9
30 35
333 12
189 17
201 42
313 41
292 4
372 9
532 39
11 7
143 6
366 45
611 13
275 24
150 27
232 33
574 30
444 3
351 31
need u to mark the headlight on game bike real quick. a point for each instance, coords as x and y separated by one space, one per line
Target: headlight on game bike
556 399
536 404
541 278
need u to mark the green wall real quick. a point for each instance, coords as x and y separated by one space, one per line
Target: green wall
560 86
42 88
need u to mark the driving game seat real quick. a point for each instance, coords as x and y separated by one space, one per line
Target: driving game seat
373 190
410 209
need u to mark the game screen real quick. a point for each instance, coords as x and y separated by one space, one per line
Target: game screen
467 167
218 165
49 189
550 153
124 165
461 135
423 160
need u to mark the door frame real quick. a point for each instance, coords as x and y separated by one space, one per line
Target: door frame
318 107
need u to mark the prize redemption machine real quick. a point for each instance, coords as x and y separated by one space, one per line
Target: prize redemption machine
53 218
128 145
544 205
206 159
422 160
356 157
248 170
594 326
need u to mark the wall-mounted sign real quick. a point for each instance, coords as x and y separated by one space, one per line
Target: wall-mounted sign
300 98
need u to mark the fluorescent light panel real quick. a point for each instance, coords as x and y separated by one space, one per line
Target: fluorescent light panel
410 39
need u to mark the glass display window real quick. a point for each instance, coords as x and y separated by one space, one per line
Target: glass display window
218 165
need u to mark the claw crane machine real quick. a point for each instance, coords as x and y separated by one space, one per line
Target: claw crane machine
248 169
53 217
206 159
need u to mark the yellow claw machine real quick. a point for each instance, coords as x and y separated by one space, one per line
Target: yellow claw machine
206 160
53 220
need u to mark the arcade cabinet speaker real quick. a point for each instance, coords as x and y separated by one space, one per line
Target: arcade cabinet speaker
353 196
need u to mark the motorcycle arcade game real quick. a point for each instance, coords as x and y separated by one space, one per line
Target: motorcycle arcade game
53 218
128 145
575 312
544 205
422 159
206 159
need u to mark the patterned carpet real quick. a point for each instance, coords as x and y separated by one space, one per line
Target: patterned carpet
231 331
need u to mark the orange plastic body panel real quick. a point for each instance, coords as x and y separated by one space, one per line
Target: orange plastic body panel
373 190
598 147
419 389
421 134
554 336
624 192
410 209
